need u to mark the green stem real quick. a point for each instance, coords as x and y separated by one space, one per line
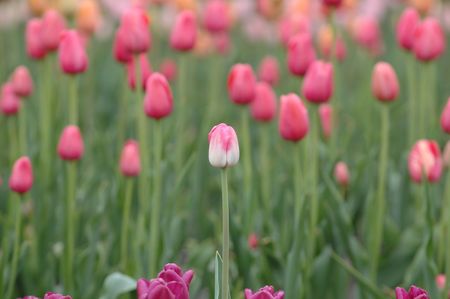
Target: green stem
71 168
182 112
13 149
247 161
225 236
122 117
125 223
73 104
377 227
447 237
45 120
412 99
265 171
23 129
16 206
423 103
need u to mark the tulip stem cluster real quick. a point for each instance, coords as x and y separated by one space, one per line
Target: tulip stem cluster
16 210
225 236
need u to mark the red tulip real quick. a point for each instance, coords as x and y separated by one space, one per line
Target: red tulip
341 174
425 161
53 25
414 293
326 119
72 54
121 52
429 40
223 146
332 3
294 120
216 16
21 179
385 85
440 281
145 71
51 295
71 144
158 102
184 32
21 82
318 83
300 54
130 162
9 101
266 292
269 70
406 26
241 84
264 106
445 118
137 38
36 48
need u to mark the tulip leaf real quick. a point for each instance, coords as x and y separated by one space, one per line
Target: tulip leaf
117 284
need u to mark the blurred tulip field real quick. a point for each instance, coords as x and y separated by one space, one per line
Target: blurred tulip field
257 149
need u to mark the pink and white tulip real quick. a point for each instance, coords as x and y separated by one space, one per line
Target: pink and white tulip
223 146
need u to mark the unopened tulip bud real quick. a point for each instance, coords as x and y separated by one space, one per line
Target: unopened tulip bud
300 54
53 25
9 101
253 241
241 84
266 292
184 32
130 161
293 120
385 85
21 179
406 26
440 281
158 102
326 119
445 118
121 52
223 146
169 69
318 83
36 48
145 71
425 161
269 70
446 155
367 34
72 54
264 106
88 16
429 40
137 37
51 295
21 82
216 16
341 174
71 144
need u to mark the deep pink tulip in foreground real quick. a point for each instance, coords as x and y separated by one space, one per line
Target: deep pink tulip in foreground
293 120
264 106
21 82
158 102
223 146
413 293
318 83
425 161
21 179
130 161
71 144
72 54
385 85
267 292
184 32
241 84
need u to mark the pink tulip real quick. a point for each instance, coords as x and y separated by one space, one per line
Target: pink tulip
266 292
135 24
130 161
29 297
36 48
253 241
385 85
171 283
223 146
53 25
292 25
145 71
425 160
445 118
168 68
406 26
72 54
216 16
440 281
184 32
21 179
71 144
301 54
341 174
121 52
269 70
367 34
264 106
51 295
318 83
241 84
429 40
9 101
294 120
326 119
158 102
414 293
332 3
22 82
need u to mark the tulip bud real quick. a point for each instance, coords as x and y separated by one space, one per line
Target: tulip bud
253 241
300 54
21 82
51 295
216 16
71 145
384 82
401 293
326 119
136 38
269 70
21 179
294 120
223 146
332 3
184 32
318 83
169 69
413 293
367 34
130 161
266 292
292 25
53 25
33 38
446 155
264 106
440 281
429 40
9 101
424 161
158 102
88 16
406 26
341 174
72 55
145 71
241 84
445 118
121 53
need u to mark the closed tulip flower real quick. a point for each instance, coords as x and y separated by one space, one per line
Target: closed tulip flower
241 84
301 54
145 71
318 83
184 32
71 144
413 293
445 118
332 3
72 54
51 295
21 179
367 34
137 38
53 25
385 85
21 82
169 69
121 52
264 106
158 102
293 120
130 161
223 146
269 70
429 40
36 48
406 26
440 281
267 292
425 161
216 16
341 174
326 119
9 101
